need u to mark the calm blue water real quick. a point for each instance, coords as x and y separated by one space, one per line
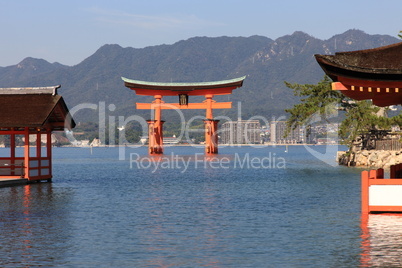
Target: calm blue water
246 208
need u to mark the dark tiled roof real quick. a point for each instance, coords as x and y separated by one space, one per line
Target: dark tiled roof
30 90
381 64
32 109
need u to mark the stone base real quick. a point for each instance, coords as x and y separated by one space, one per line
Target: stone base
370 158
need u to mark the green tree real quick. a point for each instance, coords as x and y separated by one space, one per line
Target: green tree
315 101
362 118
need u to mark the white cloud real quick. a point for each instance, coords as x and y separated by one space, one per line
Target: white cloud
150 22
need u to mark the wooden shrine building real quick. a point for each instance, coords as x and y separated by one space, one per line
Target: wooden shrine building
30 112
374 74
183 91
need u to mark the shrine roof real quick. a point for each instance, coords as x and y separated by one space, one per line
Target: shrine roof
183 86
34 107
379 64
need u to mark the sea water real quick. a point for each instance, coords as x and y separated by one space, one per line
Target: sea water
246 207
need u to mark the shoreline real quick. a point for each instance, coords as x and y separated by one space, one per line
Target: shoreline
201 145
370 158
185 145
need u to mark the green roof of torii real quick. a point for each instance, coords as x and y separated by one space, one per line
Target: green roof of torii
183 86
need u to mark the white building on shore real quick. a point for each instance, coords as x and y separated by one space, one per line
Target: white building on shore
241 132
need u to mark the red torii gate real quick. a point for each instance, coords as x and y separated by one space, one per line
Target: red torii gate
183 90
374 74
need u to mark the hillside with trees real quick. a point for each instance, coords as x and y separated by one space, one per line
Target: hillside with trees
267 64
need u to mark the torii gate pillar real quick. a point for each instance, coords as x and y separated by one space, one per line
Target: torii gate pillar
211 128
155 128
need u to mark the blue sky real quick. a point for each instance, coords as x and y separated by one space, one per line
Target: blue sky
69 31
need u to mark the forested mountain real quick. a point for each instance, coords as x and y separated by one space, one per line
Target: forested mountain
267 64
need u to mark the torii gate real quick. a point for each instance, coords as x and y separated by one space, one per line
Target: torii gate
183 90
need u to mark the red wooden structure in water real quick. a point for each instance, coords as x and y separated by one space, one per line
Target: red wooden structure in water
374 74
380 194
30 112
183 91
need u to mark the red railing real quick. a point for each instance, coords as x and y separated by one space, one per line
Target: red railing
380 194
12 167
39 168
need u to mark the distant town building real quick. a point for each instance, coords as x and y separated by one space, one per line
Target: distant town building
32 138
170 140
166 140
241 132
84 143
96 143
278 129
143 140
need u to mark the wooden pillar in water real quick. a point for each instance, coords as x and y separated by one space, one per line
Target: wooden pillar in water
211 128
49 150
211 137
12 152
39 150
155 132
26 153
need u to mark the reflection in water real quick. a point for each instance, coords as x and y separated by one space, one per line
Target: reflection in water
381 240
166 233
26 226
27 229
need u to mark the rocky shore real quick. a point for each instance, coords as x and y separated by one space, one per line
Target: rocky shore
370 158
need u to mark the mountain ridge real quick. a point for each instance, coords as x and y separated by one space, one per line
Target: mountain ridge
266 62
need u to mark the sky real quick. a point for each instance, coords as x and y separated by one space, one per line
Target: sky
70 31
